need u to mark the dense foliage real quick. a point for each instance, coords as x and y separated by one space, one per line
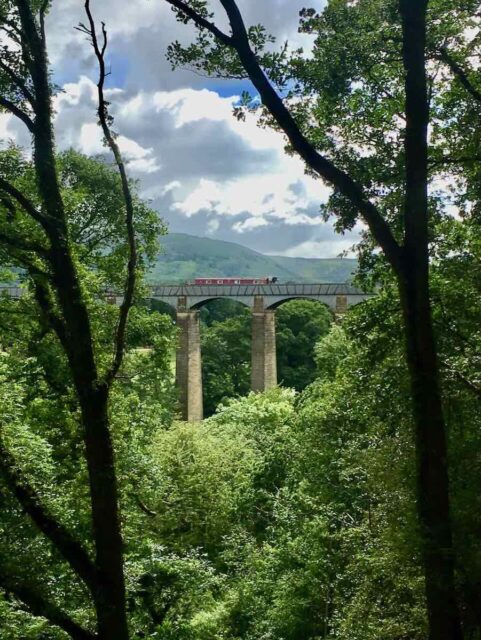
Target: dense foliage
285 515
226 347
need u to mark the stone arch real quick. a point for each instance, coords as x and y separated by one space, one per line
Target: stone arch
329 304
199 304
162 306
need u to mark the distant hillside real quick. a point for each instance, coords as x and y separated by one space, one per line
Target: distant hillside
186 257
317 269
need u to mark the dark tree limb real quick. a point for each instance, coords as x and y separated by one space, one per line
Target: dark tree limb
105 121
22 244
202 22
26 204
410 263
42 296
9 206
33 269
432 478
143 507
17 112
459 73
65 290
39 606
11 29
416 141
324 167
43 11
25 258
71 550
18 82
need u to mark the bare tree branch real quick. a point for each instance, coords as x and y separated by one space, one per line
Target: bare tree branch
71 550
314 160
18 113
39 606
105 121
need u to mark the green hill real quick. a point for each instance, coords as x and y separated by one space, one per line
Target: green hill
186 257
319 270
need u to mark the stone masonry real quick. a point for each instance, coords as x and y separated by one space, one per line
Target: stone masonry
263 350
189 366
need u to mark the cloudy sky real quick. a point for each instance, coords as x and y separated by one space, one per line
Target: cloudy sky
204 172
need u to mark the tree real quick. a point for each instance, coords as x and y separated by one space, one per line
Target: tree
40 427
226 348
370 58
38 228
300 325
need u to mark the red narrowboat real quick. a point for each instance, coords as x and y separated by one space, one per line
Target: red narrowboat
233 281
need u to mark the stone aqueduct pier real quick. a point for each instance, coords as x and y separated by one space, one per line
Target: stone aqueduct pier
263 300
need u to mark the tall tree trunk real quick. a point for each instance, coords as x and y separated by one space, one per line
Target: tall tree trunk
431 459
77 339
413 278
110 601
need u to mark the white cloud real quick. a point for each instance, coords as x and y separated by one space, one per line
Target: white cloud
74 92
203 169
281 190
90 143
131 149
143 165
249 224
270 194
206 196
197 135
90 140
156 190
190 105
142 30
194 158
212 226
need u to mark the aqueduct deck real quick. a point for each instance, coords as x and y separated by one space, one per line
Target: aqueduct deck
184 297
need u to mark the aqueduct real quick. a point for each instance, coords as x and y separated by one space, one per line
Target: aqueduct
263 301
